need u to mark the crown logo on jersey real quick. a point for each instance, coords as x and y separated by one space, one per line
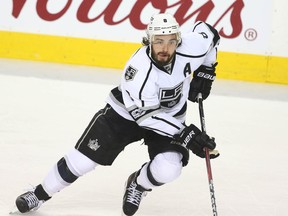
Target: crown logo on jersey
93 144
130 73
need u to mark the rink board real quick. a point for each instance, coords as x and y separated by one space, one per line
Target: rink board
113 54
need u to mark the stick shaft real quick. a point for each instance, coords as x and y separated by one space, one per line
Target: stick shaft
207 157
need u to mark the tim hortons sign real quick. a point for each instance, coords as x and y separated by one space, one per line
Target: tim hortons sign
183 11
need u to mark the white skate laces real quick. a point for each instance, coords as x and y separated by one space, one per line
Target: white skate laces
31 200
134 196
28 202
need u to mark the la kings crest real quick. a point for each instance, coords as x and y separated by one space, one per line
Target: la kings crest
130 73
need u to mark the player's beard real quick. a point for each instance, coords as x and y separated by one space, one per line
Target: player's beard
162 58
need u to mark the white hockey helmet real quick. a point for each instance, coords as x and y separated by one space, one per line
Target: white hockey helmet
162 24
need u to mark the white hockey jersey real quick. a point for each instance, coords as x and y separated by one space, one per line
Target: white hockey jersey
156 98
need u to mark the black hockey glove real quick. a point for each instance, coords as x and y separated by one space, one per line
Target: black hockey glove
202 82
195 140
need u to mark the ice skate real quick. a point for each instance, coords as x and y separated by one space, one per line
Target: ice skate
29 201
133 195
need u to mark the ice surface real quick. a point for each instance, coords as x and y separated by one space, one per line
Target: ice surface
45 108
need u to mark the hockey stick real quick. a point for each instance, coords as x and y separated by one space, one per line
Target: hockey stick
207 157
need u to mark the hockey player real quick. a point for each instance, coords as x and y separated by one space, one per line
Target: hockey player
149 104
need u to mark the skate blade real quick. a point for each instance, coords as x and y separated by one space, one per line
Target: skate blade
14 211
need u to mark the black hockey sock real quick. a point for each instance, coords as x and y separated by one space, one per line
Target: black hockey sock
41 193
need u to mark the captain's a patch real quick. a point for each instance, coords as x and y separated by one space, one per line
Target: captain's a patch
130 73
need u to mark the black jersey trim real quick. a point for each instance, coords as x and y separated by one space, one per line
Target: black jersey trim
182 111
196 26
160 131
197 56
192 56
167 122
143 85
117 94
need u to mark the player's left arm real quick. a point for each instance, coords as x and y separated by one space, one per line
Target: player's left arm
205 74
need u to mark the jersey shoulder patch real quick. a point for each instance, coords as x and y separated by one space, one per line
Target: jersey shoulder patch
130 73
